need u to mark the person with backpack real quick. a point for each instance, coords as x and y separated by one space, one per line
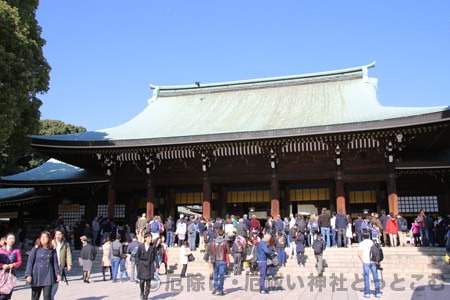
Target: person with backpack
300 249
169 226
238 252
115 254
318 247
280 244
402 229
369 259
132 250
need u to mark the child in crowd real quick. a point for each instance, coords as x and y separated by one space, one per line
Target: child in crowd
415 231
375 233
123 267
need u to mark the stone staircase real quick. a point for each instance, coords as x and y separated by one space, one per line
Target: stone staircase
403 262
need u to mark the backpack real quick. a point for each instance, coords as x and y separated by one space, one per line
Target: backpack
133 253
154 227
169 225
191 228
206 236
317 246
280 242
402 225
376 253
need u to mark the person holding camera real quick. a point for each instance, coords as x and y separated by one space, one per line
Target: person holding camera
368 265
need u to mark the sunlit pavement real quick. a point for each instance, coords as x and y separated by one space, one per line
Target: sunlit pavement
284 286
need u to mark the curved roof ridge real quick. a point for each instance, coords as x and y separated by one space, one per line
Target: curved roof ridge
316 75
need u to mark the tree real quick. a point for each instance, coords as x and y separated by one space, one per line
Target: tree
47 127
55 127
24 74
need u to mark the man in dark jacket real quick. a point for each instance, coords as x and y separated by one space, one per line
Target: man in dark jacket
219 249
341 228
147 264
324 224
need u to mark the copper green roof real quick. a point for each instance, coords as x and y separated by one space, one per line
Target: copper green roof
303 101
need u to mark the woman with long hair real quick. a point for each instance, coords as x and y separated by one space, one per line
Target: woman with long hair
42 267
10 258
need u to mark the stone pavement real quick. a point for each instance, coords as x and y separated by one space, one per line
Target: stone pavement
285 286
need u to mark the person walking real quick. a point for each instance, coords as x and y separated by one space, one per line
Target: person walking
368 266
185 251
300 249
64 255
219 249
123 268
318 248
42 269
132 250
10 258
263 252
88 254
115 253
146 265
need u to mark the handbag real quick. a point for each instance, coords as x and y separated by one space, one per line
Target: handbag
7 282
273 261
191 257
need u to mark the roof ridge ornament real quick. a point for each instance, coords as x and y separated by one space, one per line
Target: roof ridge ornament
365 71
155 93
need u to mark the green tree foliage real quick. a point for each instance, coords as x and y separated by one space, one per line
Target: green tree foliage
24 74
55 127
48 127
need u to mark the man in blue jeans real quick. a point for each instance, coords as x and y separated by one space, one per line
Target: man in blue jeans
115 253
324 224
219 248
368 266
262 253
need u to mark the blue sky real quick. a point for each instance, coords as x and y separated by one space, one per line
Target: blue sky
104 54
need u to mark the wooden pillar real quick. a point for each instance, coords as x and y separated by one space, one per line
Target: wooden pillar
150 209
340 193
171 207
206 205
275 194
392 193
111 200
91 206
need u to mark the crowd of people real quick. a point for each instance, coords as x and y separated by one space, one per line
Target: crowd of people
254 245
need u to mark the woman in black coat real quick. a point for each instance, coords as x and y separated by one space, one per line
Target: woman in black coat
42 267
147 264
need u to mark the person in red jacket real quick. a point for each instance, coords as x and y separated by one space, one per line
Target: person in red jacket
392 229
